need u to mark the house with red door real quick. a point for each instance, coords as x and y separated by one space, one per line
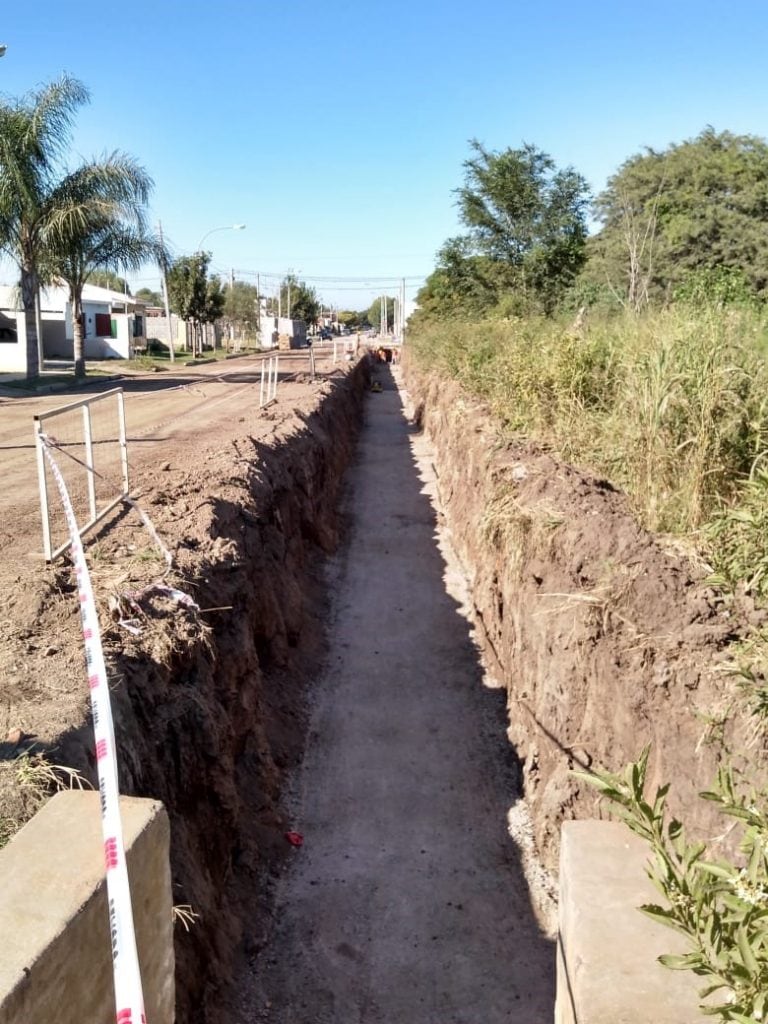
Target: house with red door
115 326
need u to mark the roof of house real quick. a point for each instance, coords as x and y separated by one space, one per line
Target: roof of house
54 299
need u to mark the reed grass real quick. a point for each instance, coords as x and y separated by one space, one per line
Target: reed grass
672 407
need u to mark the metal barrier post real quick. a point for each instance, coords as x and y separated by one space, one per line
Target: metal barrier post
88 437
123 440
261 388
274 381
95 515
43 490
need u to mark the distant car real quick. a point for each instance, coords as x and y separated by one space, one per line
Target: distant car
326 334
8 334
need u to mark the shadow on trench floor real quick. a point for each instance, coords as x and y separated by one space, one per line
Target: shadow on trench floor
406 903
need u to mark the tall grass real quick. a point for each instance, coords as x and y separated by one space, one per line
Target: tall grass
672 407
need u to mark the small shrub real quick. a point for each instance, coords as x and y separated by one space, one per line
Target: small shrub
719 905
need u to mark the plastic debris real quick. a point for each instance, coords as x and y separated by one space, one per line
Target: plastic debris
294 838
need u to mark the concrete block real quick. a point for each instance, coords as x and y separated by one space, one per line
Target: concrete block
55 956
607 971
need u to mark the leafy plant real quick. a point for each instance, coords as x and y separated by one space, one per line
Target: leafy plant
719 905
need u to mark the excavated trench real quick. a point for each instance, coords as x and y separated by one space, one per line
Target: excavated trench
357 670
210 710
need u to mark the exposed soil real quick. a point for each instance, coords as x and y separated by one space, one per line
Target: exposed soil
604 635
408 900
209 704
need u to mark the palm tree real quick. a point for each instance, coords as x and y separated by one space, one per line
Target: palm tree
34 132
100 223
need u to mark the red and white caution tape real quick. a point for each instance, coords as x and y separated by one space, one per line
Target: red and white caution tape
129 1000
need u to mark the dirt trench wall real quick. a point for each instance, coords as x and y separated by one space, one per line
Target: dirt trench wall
604 639
208 707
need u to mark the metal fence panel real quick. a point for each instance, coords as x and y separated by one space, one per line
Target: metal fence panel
88 438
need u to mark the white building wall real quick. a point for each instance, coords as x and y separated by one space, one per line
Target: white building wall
13 355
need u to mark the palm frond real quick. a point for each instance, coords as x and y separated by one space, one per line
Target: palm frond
51 112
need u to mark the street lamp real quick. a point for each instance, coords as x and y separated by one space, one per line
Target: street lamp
226 227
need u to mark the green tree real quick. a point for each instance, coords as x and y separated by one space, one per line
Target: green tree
34 209
526 220
149 297
241 303
110 232
189 292
299 300
215 300
108 279
353 319
696 206
463 283
374 313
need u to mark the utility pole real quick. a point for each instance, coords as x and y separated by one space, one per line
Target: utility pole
231 299
288 278
258 309
171 346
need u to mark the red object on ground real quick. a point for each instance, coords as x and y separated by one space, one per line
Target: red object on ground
294 838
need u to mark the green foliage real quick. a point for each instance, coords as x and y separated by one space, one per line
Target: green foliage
149 297
670 406
720 906
527 233
715 287
66 224
102 224
374 313
192 294
187 279
108 279
34 132
354 319
699 205
215 300
241 304
299 300
737 537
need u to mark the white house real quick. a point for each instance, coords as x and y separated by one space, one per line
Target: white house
115 324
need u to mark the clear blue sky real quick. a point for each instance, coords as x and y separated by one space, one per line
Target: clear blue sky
336 131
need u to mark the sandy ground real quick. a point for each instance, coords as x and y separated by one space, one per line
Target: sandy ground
181 425
163 411
407 902
160 407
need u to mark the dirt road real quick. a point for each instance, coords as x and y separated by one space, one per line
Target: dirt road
163 411
407 903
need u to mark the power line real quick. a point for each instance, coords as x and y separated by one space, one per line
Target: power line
374 279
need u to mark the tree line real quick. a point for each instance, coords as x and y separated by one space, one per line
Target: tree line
687 221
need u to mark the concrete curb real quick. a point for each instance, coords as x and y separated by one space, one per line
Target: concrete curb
56 962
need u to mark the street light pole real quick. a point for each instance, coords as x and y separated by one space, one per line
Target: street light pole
225 227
